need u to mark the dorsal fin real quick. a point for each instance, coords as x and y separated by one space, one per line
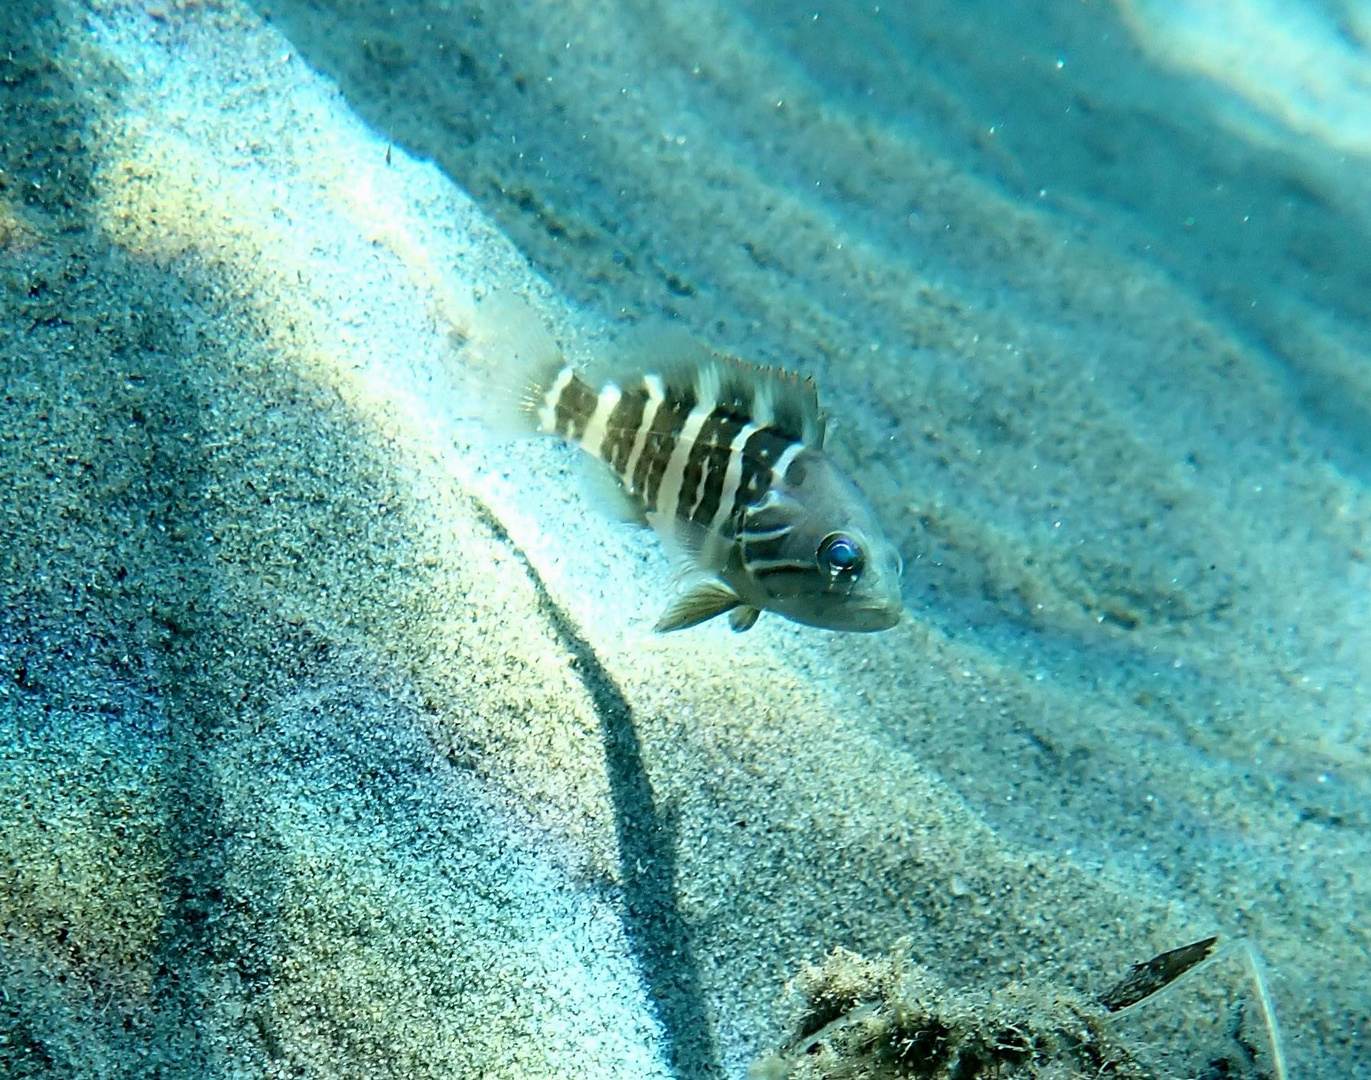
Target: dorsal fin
769 396
774 397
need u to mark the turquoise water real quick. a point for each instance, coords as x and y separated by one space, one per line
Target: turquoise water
334 739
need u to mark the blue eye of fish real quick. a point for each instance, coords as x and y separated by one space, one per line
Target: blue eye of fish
840 556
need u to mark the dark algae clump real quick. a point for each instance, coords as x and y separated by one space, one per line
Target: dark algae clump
873 1019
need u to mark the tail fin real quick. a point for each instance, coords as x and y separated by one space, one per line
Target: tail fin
517 360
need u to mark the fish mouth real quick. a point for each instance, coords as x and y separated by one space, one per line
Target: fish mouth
882 609
878 618
876 613
869 618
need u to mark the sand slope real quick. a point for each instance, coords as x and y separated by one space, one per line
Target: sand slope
334 739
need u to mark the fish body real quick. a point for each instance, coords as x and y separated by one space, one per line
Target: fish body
726 462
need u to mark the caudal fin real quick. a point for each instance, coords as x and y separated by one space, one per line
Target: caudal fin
516 360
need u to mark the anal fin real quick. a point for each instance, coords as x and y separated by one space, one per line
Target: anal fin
697 605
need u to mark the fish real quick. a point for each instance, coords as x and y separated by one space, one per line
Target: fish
726 461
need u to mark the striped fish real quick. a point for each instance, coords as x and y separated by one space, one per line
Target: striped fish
726 462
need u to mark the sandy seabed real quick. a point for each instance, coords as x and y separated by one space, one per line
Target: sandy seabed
333 737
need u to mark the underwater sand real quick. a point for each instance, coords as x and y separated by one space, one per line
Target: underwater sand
333 737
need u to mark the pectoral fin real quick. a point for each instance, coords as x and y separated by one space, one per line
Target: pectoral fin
696 605
609 492
742 618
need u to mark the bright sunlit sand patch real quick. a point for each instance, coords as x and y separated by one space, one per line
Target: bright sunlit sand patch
345 261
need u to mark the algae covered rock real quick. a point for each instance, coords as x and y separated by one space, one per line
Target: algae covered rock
865 1018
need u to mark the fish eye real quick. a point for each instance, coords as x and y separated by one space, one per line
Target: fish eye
841 556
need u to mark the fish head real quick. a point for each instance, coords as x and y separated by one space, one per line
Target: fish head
813 552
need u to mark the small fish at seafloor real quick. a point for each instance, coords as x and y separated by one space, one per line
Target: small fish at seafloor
726 462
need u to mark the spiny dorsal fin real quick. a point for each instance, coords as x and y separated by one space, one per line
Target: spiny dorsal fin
769 396
774 397
699 604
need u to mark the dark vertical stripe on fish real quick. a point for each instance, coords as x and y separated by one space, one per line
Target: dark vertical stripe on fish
707 467
661 441
575 406
622 429
762 451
